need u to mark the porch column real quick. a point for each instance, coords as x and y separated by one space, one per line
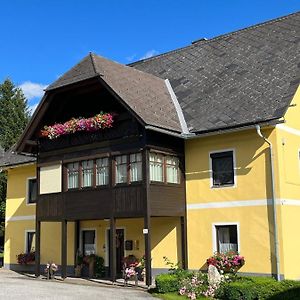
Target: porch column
184 242
112 250
147 236
64 224
76 239
37 248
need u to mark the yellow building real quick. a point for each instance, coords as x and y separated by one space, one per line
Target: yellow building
202 156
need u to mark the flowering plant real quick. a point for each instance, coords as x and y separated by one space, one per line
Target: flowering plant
50 269
100 121
25 258
226 262
130 272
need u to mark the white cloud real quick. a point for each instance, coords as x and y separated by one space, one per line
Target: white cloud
131 57
32 90
149 54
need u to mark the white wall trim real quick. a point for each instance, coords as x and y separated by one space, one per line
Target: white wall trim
242 203
211 171
288 129
20 218
26 241
214 234
27 191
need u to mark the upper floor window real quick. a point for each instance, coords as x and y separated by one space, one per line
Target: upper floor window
172 169
222 168
73 175
87 173
121 169
31 190
135 167
156 167
102 171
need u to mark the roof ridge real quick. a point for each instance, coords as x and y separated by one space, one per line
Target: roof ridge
91 54
268 22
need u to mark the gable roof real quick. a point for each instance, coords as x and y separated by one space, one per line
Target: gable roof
244 77
145 94
10 159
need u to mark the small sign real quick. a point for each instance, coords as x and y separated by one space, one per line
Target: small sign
145 231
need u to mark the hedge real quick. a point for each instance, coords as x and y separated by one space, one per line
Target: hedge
251 288
166 283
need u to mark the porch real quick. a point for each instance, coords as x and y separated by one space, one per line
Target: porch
112 239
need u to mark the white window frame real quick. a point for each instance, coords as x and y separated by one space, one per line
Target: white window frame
80 238
26 241
27 190
234 185
214 234
105 250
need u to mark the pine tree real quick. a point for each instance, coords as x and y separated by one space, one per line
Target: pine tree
14 113
14 116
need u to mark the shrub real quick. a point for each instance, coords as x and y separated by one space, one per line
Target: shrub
166 283
248 288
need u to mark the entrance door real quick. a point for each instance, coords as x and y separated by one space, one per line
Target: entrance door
119 249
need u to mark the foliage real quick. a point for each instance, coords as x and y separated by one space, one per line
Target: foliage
166 283
226 262
99 267
176 269
259 288
172 296
100 121
14 113
25 258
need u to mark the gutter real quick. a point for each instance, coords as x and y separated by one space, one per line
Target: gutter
273 197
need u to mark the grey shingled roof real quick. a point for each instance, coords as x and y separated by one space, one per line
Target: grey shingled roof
11 158
143 93
244 77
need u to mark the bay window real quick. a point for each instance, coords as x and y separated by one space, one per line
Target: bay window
87 173
172 169
135 167
156 167
73 175
121 169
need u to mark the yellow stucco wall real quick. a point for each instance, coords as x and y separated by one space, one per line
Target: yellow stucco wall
245 203
50 179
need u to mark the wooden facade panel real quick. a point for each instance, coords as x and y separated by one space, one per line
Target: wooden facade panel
167 200
50 206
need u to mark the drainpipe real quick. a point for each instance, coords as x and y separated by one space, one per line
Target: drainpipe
276 240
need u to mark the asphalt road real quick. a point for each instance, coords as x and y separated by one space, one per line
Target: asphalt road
20 287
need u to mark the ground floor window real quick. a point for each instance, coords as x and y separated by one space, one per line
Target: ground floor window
226 238
30 241
88 242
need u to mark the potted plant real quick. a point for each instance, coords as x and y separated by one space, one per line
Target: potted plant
26 258
50 269
79 264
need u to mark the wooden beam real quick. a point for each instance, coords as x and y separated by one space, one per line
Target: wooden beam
64 224
76 239
112 250
184 257
37 248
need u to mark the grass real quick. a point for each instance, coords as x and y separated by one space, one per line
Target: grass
172 296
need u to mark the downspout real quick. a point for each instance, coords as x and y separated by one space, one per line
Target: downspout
276 240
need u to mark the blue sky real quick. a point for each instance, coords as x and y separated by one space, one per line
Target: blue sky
41 39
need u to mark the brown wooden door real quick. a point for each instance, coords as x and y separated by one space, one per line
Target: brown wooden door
119 249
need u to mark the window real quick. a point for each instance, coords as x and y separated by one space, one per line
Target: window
102 171
172 169
222 168
87 173
88 242
121 169
32 190
156 167
73 175
227 238
135 167
30 241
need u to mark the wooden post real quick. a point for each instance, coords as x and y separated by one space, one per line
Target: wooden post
64 224
184 242
37 248
147 237
147 217
76 239
113 250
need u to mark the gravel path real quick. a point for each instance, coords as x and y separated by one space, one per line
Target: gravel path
20 287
